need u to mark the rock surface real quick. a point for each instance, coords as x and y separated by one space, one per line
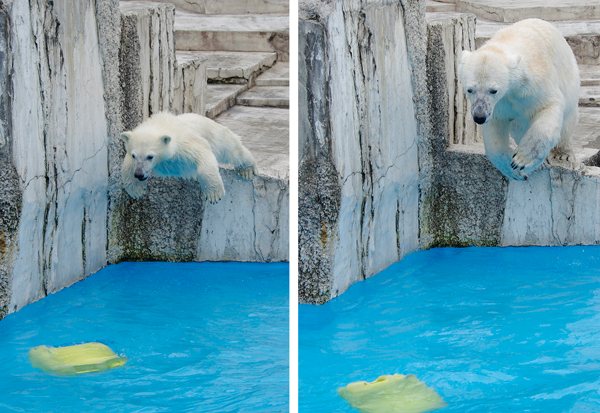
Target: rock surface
359 172
59 179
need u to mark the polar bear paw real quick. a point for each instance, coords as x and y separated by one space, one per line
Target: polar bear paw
136 189
214 195
521 161
565 160
516 174
246 173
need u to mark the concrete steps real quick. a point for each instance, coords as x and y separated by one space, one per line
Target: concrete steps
273 91
235 33
278 75
265 131
511 11
439 7
234 6
272 96
590 75
590 96
231 67
220 98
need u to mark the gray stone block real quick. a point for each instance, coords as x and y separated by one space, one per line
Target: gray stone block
359 125
55 183
147 59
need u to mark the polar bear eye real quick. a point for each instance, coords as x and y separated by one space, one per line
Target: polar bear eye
150 157
493 91
469 90
133 155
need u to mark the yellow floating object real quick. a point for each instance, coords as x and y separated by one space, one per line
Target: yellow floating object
72 360
396 393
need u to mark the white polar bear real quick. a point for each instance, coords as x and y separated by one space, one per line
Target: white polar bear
186 146
524 82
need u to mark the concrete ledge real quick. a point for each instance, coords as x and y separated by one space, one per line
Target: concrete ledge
511 11
278 75
233 6
249 33
475 205
272 96
219 98
231 67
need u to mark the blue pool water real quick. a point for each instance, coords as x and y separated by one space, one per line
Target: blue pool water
200 337
490 329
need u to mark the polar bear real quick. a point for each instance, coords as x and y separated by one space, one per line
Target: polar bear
186 146
524 83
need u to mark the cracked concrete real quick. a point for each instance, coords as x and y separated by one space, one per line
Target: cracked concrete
358 141
60 179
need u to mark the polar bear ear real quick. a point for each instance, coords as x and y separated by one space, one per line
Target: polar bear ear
125 136
165 139
464 55
513 61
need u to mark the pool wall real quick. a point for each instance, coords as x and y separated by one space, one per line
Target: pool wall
389 166
74 76
360 124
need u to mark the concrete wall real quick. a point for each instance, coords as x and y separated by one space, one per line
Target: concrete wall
359 132
73 76
54 145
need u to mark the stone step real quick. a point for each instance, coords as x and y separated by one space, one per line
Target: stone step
278 75
236 33
219 98
231 67
272 96
582 36
587 133
511 11
439 7
234 6
590 75
589 96
265 132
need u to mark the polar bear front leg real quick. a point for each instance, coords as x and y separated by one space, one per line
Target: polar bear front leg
497 148
542 136
208 176
134 187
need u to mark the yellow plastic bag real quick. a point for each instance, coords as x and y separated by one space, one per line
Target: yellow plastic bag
392 394
72 360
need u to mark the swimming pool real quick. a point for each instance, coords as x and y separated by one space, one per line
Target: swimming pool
198 336
489 329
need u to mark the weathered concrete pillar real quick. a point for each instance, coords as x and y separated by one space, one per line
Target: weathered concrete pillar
189 92
53 146
360 120
147 59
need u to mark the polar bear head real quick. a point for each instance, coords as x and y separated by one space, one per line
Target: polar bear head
486 75
147 147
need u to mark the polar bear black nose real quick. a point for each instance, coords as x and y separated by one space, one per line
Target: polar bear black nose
480 120
140 176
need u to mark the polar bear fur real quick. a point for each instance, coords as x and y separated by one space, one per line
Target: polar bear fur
188 146
524 83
